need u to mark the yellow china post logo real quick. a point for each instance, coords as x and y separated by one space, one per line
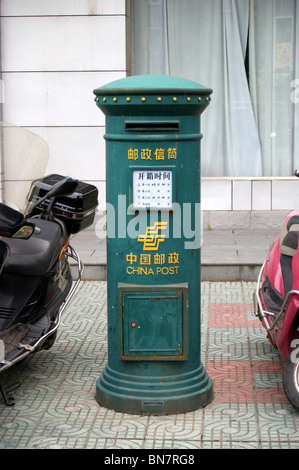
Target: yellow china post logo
153 237
147 264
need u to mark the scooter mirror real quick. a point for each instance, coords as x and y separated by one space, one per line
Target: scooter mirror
63 188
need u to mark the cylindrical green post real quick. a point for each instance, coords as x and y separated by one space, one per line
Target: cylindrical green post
153 245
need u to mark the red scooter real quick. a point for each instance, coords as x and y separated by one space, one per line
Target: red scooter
276 301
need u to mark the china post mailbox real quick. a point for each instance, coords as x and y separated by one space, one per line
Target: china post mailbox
153 245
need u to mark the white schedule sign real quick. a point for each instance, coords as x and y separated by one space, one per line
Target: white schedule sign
152 188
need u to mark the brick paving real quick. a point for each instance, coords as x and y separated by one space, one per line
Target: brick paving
55 406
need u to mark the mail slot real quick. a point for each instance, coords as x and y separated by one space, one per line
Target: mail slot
153 245
152 126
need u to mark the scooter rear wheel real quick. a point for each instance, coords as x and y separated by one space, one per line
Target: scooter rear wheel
291 379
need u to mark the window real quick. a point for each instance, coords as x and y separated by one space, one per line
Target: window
245 50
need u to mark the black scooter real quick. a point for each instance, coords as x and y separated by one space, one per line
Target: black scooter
35 276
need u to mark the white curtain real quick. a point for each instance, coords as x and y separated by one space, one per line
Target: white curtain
148 34
273 65
205 42
247 132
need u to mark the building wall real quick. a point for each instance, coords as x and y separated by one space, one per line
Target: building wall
54 53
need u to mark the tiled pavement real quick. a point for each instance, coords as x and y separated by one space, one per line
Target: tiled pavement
55 406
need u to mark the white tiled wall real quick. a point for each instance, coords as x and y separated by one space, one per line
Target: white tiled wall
261 195
216 193
237 194
248 202
62 7
66 43
241 195
54 54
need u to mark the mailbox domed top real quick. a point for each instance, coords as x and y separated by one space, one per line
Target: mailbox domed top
142 94
152 84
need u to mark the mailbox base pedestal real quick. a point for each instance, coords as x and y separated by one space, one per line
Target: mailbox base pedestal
154 395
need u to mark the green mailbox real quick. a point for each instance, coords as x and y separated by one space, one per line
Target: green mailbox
153 245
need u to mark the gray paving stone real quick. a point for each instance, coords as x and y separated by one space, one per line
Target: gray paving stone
56 406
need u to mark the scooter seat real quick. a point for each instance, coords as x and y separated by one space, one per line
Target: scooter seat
35 256
289 236
288 244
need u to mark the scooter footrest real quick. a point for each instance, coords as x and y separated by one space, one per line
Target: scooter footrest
12 336
35 332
